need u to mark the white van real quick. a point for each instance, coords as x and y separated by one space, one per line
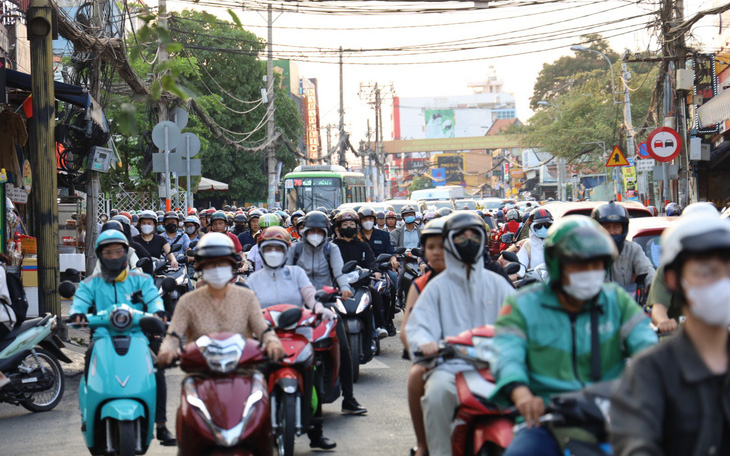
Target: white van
445 192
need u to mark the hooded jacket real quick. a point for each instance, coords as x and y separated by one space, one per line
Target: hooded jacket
314 262
102 294
532 255
284 285
451 303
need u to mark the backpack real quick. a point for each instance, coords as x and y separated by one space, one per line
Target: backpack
299 248
18 301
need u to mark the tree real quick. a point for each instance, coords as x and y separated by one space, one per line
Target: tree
420 183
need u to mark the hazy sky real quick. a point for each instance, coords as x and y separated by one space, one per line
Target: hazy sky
557 25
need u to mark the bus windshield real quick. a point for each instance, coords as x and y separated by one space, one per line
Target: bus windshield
309 193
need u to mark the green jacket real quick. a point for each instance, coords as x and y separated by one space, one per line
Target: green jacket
540 346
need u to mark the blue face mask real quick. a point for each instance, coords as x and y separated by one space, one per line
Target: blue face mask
160 229
542 232
410 219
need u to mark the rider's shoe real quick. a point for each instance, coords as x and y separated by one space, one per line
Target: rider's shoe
165 437
352 407
382 333
321 442
390 327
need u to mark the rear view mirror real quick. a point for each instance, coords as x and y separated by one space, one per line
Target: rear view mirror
322 296
507 238
417 252
152 325
511 257
176 248
193 244
400 250
349 267
512 268
247 247
289 318
169 284
142 262
67 289
383 258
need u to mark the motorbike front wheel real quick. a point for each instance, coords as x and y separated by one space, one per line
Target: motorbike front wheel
287 432
44 363
126 440
355 353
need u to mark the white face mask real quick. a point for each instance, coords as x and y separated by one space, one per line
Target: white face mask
315 239
585 285
367 226
218 277
147 229
710 303
274 259
190 230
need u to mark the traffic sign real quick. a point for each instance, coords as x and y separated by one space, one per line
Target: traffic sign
645 165
190 143
642 151
166 135
664 144
180 116
617 158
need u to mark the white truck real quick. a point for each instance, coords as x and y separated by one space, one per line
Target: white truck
445 192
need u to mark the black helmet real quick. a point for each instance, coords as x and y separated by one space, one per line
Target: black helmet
433 228
457 223
112 225
613 213
315 219
367 211
380 215
540 215
443 212
240 218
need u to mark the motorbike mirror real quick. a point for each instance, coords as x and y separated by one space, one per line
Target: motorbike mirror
181 258
507 238
238 257
322 296
67 289
72 272
247 247
349 267
152 325
512 268
160 266
142 262
289 318
511 257
191 254
168 284
176 248
193 244
641 279
383 258
417 252
400 250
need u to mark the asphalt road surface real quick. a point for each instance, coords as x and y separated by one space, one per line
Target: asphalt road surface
386 429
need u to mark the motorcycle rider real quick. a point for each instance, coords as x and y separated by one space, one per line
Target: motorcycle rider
322 262
390 222
532 252
219 224
462 297
253 222
241 223
279 283
172 222
673 399
292 230
380 220
253 258
154 244
512 225
547 336
631 261
191 225
407 235
673 210
114 284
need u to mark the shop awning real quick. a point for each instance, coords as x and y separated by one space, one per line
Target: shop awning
715 111
211 185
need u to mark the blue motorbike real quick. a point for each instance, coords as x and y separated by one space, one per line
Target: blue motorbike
117 391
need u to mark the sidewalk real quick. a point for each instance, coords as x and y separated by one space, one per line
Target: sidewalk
75 347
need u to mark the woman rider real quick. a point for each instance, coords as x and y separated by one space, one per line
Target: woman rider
278 283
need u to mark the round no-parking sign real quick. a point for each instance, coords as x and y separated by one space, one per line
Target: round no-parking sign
664 144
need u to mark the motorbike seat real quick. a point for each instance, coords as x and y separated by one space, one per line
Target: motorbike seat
24 326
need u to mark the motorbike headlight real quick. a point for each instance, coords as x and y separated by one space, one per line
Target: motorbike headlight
485 349
363 304
121 318
222 355
340 307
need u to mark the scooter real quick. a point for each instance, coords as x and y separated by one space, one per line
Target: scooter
532 275
292 379
117 392
480 426
411 271
326 346
29 357
171 282
224 405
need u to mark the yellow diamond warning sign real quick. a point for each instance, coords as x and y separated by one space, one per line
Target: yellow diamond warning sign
617 158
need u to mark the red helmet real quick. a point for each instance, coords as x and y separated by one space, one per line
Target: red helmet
274 234
126 214
390 214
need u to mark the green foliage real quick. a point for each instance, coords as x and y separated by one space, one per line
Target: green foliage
420 183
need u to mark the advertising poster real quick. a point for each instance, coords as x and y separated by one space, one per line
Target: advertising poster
439 123
629 175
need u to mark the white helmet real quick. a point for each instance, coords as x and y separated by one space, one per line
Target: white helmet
698 231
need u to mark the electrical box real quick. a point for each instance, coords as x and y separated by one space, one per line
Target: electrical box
100 159
685 79
697 150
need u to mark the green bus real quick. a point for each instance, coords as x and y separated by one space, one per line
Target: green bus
311 186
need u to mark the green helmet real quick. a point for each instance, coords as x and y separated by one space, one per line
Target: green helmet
268 220
577 238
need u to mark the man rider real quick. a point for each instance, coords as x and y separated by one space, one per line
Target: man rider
219 224
390 221
463 296
380 220
632 262
241 223
292 230
547 337
409 233
116 284
172 223
191 225
156 245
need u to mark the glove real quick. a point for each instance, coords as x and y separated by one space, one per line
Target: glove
77 316
324 312
161 315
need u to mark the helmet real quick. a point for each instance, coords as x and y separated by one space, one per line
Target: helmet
315 219
480 213
268 220
255 214
240 218
160 213
172 215
110 236
673 210
654 211
218 215
390 214
513 214
229 217
192 219
576 238
135 218
433 228
366 211
147 215
160 219
112 225
297 214
227 207
444 211
500 213
347 215
613 213
540 216
380 215
213 247
122 219
406 209
126 214
456 224
276 234
428 216
192 211
703 232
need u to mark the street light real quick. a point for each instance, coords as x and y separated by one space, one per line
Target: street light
545 103
579 48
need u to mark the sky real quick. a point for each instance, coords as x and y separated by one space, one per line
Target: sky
520 39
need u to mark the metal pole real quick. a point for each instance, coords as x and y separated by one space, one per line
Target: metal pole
270 158
343 149
167 170
190 186
164 56
43 155
94 186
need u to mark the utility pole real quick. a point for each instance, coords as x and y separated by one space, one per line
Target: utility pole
270 158
629 124
164 56
680 105
343 146
369 183
43 154
376 177
329 145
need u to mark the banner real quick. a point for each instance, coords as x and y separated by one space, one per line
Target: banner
439 123
629 177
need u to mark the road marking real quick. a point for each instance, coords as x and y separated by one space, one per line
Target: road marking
374 364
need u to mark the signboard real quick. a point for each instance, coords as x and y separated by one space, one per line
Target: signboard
629 177
16 194
617 158
642 151
311 119
439 176
453 164
452 144
439 123
705 87
166 135
27 176
645 165
664 144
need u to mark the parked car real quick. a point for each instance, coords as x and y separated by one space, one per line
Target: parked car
490 204
559 209
647 231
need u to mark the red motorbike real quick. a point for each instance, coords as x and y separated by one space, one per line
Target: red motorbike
481 427
327 352
224 408
291 381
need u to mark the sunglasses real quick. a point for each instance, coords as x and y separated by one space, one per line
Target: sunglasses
540 226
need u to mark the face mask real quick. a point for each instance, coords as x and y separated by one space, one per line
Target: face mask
619 239
274 259
468 250
113 267
710 303
348 232
160 229
147 229
542 232
315 239
218 277
367 226
190 230
410 219
181 224
585 285
171 227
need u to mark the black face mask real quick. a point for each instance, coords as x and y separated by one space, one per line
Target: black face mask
619 239
112 268
348 232
171 227
468 250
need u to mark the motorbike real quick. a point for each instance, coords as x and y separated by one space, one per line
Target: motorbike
481 427
409 259
532 275
384 286
29 357
585 410
117 392
224 405
326 346
172 283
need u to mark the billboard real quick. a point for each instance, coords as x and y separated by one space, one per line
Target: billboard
289 72
705 87
453 165
439 123
311 118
